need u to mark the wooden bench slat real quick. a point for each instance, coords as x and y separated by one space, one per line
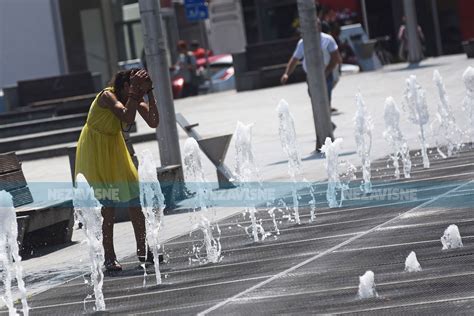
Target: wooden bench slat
21 196
12 180
9 162
43 205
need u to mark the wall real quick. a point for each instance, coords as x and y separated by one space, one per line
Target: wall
466 17
28 47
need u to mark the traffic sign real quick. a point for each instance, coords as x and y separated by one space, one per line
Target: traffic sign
187 2
196 11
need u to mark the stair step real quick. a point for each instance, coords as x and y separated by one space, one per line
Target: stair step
42 139
26 114
44 152
42 125
55 149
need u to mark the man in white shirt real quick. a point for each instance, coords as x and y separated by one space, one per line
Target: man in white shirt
331 56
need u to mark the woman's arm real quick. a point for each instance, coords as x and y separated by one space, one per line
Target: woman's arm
126 113
149 111
139 82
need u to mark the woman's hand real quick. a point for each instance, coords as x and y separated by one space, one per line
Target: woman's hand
147 85
138 79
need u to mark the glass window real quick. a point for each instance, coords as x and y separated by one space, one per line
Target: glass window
128 52
138 37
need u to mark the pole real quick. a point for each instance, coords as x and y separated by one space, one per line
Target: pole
315 71
414 45
434 12
364 17
155 50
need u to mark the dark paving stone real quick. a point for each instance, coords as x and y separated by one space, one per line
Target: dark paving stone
337 248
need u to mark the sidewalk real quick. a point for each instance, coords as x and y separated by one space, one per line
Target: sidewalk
219 113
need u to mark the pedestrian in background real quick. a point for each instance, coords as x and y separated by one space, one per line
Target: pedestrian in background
403 40
331 57
186 68
198 51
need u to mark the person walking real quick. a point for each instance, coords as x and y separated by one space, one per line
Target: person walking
331 56
186 67
403 40
102 156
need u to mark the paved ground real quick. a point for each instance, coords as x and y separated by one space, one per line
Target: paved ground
218 114
314 267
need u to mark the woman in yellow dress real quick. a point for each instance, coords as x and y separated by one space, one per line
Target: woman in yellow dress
102 156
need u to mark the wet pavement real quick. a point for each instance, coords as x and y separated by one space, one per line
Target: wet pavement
314 267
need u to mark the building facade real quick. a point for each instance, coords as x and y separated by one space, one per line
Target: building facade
446 23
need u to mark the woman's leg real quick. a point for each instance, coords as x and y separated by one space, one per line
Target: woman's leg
108 213
138 222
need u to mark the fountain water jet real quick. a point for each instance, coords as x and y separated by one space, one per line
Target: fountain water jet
246 170
468 101
331 150
87 210
394 136
411 263
271 212
194 173
290 147
10 258
415 101
363 137
451 238
367 286
312 202
447 128
153 204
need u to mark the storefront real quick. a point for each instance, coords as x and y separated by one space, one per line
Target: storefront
446 23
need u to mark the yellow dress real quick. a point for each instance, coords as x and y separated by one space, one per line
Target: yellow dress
102 156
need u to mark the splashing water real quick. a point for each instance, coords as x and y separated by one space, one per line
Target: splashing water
87 211
468 101
411 263
312 202
194 173
271 212
246 169
394 136
340 172
363 137
367 286
415 101
153 204
347 173
9 254
331 150
446 128
451 238
290 147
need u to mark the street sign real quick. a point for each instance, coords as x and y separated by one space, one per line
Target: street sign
188 2
196 11
227 27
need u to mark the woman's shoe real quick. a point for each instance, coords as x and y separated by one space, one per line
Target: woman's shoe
150 258
112 265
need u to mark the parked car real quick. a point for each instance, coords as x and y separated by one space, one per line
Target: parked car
220 73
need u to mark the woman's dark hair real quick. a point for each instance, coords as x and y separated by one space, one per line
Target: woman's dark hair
119 80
